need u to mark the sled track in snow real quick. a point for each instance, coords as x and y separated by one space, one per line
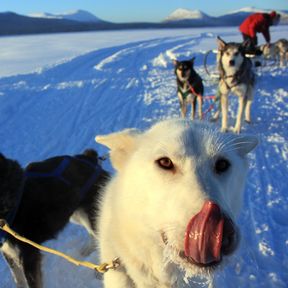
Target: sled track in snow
61 109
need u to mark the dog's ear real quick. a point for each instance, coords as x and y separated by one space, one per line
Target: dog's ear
175 62
192 60
121 145
245 144
221 43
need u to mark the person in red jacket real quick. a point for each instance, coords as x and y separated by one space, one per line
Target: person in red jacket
258 23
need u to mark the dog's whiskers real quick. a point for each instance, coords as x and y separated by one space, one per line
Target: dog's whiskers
236 146
228 139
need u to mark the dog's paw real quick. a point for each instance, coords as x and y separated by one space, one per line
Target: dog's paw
248 121
236 130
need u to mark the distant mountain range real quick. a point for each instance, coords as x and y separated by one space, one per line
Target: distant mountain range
233 18
77 15
80 20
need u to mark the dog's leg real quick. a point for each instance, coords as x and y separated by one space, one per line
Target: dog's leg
224 109
248 111
193 107
12 256
200 104
183 107
182 103
31 259
241 104
282 59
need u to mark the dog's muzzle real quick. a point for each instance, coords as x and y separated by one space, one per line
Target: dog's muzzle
210 234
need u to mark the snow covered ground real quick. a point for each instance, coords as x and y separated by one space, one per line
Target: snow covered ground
53 103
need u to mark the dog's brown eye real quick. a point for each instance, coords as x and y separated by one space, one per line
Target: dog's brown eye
221 165
165 163
227 53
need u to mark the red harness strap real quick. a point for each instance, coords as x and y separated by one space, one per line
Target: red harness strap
213 97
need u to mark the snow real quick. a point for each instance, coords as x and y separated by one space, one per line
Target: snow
58 91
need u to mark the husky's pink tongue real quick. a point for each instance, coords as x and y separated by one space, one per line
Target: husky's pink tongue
204 234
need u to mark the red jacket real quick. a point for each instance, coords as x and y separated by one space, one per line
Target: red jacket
257 23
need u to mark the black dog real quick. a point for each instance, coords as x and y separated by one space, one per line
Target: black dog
189 87
38 202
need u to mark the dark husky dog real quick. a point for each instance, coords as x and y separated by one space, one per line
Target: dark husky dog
39 201
189 87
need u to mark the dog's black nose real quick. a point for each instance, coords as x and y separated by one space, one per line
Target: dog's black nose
230 238
232 62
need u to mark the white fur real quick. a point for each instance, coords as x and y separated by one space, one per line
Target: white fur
143 200
244 91
13 254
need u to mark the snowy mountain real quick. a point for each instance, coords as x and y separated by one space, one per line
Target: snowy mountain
15 24
249 9
245 11
77 15
232 18
184 14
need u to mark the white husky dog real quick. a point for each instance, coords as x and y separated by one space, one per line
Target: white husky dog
171 206
236 76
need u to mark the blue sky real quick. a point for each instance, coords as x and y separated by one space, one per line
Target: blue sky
128 10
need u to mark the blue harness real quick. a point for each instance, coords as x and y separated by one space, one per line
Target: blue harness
56 173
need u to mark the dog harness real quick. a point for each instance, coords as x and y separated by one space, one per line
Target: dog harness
185 94
244 75
190 88
57 173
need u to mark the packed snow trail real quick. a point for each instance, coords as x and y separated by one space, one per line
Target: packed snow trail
60 110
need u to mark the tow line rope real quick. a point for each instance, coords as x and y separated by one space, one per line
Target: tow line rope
102 268
212 97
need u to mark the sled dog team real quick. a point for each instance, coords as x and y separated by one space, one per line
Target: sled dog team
236 75
170 210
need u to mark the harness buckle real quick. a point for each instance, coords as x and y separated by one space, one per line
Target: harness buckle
115 264
104 267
